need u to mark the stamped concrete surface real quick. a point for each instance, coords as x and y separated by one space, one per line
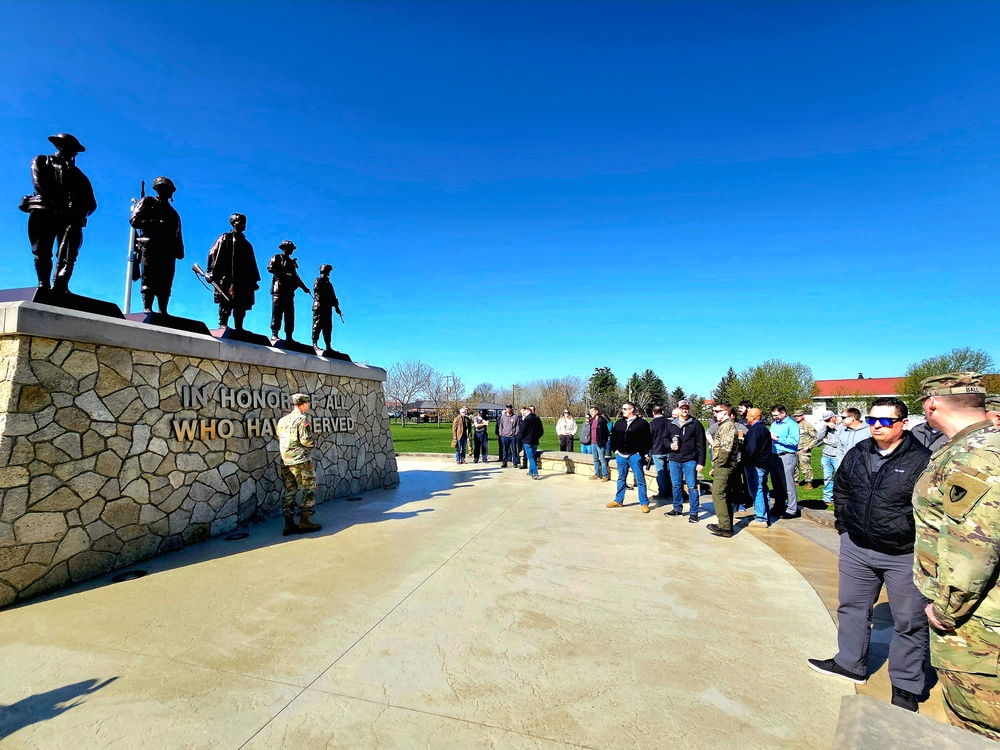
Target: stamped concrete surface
471 607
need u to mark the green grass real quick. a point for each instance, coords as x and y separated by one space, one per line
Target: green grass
417 437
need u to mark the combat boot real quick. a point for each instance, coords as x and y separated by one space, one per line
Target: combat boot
290 527
305 525
147 302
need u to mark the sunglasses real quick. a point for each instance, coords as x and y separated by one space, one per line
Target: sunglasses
882 421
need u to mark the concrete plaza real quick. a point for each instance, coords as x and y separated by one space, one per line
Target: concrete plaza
470 607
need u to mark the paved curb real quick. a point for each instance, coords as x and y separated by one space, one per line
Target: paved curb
822 517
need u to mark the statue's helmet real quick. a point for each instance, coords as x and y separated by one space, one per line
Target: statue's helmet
286 245
236 219
162 181
67 141
325 268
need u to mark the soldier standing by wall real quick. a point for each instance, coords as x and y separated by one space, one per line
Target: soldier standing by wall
232 266
159 241
324 303
295 441
58 210
285 280
807 441
957 514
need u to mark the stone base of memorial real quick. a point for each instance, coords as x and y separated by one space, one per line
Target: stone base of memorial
122 440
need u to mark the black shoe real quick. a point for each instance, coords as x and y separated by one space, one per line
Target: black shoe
830 667
790 516
674 513
693 518
503 466
657 496
904 699
713 528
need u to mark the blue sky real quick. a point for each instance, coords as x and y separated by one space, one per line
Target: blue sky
529 190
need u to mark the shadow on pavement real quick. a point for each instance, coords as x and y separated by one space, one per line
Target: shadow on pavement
44 706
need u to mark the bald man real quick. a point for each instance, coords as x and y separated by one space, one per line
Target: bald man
757 447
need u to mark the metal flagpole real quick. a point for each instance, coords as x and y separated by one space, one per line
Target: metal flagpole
128 264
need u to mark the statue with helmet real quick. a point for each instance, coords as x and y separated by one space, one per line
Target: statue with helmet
159 241
285 280
324 303
58 211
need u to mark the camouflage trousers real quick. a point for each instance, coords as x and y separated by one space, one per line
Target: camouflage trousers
972 701
300 475
805 466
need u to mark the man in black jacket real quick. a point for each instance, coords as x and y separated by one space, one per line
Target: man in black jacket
599 435
531 432
756 465
872 495
659 452
687 459
630 441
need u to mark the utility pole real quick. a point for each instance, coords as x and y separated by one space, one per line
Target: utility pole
128 262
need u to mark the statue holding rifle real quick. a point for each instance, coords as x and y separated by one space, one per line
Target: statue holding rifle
284 270
324 303
232 271
159 243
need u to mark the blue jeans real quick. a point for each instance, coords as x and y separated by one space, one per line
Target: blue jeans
529 452
518 445
680 472
633 462
600 461
460 448
482 445
585 448
757 489
507 454
829 463
663 488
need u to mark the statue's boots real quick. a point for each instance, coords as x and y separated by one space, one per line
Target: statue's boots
61 284
44 270
161 302
290 526
305 524
147 302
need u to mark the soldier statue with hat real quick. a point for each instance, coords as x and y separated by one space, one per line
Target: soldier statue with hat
159 242
58 211
956 506
285 280
295 442
232 269
324 303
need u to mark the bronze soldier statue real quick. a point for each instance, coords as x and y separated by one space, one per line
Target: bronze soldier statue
232 267
160 243
58 210
284 269
324 303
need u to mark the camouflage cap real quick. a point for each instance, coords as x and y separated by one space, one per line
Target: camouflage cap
798 413
993 403
300 398
951 384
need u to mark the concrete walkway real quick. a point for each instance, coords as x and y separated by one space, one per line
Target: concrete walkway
467 608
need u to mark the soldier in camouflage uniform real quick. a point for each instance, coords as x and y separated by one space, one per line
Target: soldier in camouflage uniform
993 410
808 439
726 491
295 441
956 506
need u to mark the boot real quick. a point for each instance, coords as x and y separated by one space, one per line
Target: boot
315 344
161 302
290 527
238 316
147 302
305 525
44 270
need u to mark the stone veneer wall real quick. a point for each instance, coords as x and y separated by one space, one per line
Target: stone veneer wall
92 477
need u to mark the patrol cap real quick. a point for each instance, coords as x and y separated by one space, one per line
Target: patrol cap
161 181
65 139
300 398
286 245
798 413
951 384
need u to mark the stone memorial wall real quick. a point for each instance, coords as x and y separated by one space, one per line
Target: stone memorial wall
120 441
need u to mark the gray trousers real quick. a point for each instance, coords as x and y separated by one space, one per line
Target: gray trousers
862 575
783 465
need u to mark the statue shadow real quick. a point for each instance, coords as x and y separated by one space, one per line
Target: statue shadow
44 706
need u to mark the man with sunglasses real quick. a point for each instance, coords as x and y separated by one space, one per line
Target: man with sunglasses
725 453
872 493
957 510
631 441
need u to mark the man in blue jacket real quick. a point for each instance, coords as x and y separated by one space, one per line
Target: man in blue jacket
785 446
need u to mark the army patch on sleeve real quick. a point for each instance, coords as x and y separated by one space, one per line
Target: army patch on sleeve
963 494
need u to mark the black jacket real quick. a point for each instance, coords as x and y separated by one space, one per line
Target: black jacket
876 509
661 436
531 429
603 433
631 438
692 441
757 446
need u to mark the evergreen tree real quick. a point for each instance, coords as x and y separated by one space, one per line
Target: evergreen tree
724 390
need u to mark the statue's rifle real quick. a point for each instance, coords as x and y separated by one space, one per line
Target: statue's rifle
203 277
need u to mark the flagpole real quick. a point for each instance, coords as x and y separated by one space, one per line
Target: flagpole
128 264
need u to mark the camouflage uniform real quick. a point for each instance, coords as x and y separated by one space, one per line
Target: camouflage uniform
295 440
956 506
725 487
807 441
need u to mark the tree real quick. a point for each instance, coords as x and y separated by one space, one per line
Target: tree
560 393
721 391
405 381
437 391
775 382
604 391
484 392
453 396
676 395
646 390
957 360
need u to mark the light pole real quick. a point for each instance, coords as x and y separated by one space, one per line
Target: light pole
513 390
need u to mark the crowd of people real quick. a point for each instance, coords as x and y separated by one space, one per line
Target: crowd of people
917 510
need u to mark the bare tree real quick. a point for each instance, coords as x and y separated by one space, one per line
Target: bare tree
405 381
484 392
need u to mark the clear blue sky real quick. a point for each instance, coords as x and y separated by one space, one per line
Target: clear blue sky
525 190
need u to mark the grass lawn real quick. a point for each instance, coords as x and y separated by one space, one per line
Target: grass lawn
417 437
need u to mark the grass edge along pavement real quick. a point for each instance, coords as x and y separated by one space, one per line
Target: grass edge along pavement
419 437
